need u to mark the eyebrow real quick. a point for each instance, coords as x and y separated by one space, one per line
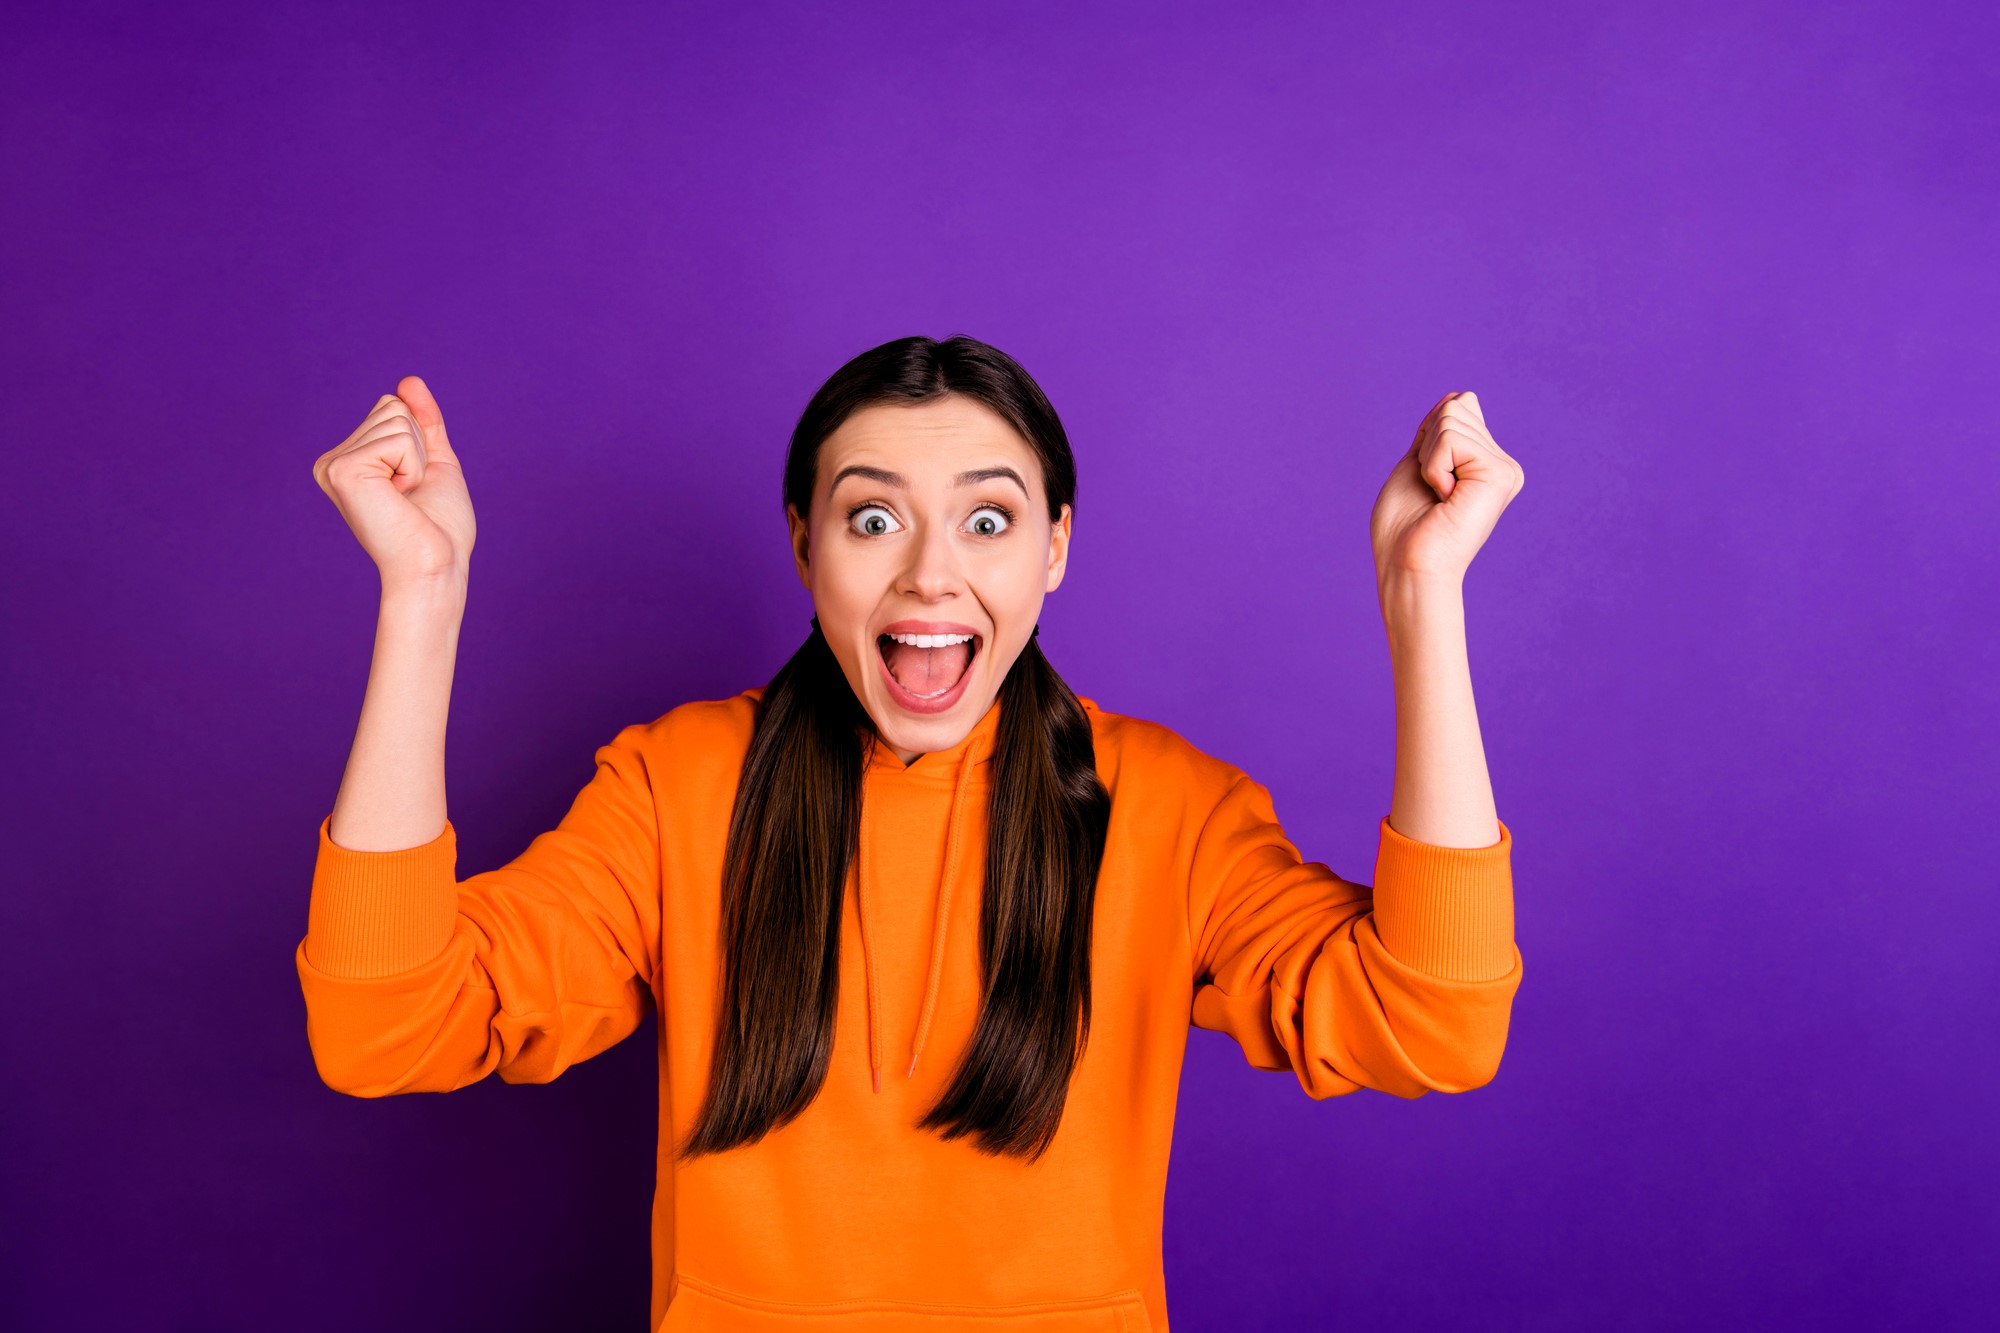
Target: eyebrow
898 480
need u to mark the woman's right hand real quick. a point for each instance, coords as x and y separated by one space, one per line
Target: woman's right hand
398 484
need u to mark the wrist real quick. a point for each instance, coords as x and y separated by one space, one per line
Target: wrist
442 597
1406 596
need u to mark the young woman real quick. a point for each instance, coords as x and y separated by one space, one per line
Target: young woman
924 929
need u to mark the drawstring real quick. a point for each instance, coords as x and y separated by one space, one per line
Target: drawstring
867 961
943 920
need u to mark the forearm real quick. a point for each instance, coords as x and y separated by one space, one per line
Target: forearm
392 794
1442 793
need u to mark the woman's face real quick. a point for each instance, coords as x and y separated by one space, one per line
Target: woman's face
933 514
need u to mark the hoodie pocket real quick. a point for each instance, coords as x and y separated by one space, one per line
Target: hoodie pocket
699 1307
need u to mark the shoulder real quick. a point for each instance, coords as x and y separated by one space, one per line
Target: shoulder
698 730
1155 758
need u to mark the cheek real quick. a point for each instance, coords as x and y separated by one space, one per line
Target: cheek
1029 569
1013 590
845 574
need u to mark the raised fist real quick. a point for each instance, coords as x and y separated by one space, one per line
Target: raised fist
398 484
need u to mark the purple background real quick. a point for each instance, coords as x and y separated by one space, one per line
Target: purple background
1724 281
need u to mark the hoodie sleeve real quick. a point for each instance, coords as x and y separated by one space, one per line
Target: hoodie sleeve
416 981
1405 988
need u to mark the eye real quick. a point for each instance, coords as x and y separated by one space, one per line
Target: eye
863 508
1006 519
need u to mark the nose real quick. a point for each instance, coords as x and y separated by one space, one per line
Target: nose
933 569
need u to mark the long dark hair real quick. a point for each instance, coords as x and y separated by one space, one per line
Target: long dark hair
797 820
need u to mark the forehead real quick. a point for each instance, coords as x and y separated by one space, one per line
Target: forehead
928 441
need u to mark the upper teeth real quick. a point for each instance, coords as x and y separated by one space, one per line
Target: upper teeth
931 640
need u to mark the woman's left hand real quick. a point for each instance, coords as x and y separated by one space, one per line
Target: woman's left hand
1443 497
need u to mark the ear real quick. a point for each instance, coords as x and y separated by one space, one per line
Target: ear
1058 550
801 535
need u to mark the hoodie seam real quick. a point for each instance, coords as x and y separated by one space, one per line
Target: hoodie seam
1187 913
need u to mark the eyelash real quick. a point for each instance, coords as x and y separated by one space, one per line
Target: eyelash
985 504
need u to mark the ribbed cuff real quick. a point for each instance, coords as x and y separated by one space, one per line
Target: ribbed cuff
1448 911
374 914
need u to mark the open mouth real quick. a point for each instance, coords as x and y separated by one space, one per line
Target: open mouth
928 673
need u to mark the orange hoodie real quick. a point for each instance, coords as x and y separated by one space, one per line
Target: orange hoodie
848 1217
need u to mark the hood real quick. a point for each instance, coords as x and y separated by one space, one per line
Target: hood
962 761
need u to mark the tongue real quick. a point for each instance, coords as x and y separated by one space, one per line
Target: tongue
928 670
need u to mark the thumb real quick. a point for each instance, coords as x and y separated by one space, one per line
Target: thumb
424 407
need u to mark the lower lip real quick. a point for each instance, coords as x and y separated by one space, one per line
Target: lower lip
911 703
